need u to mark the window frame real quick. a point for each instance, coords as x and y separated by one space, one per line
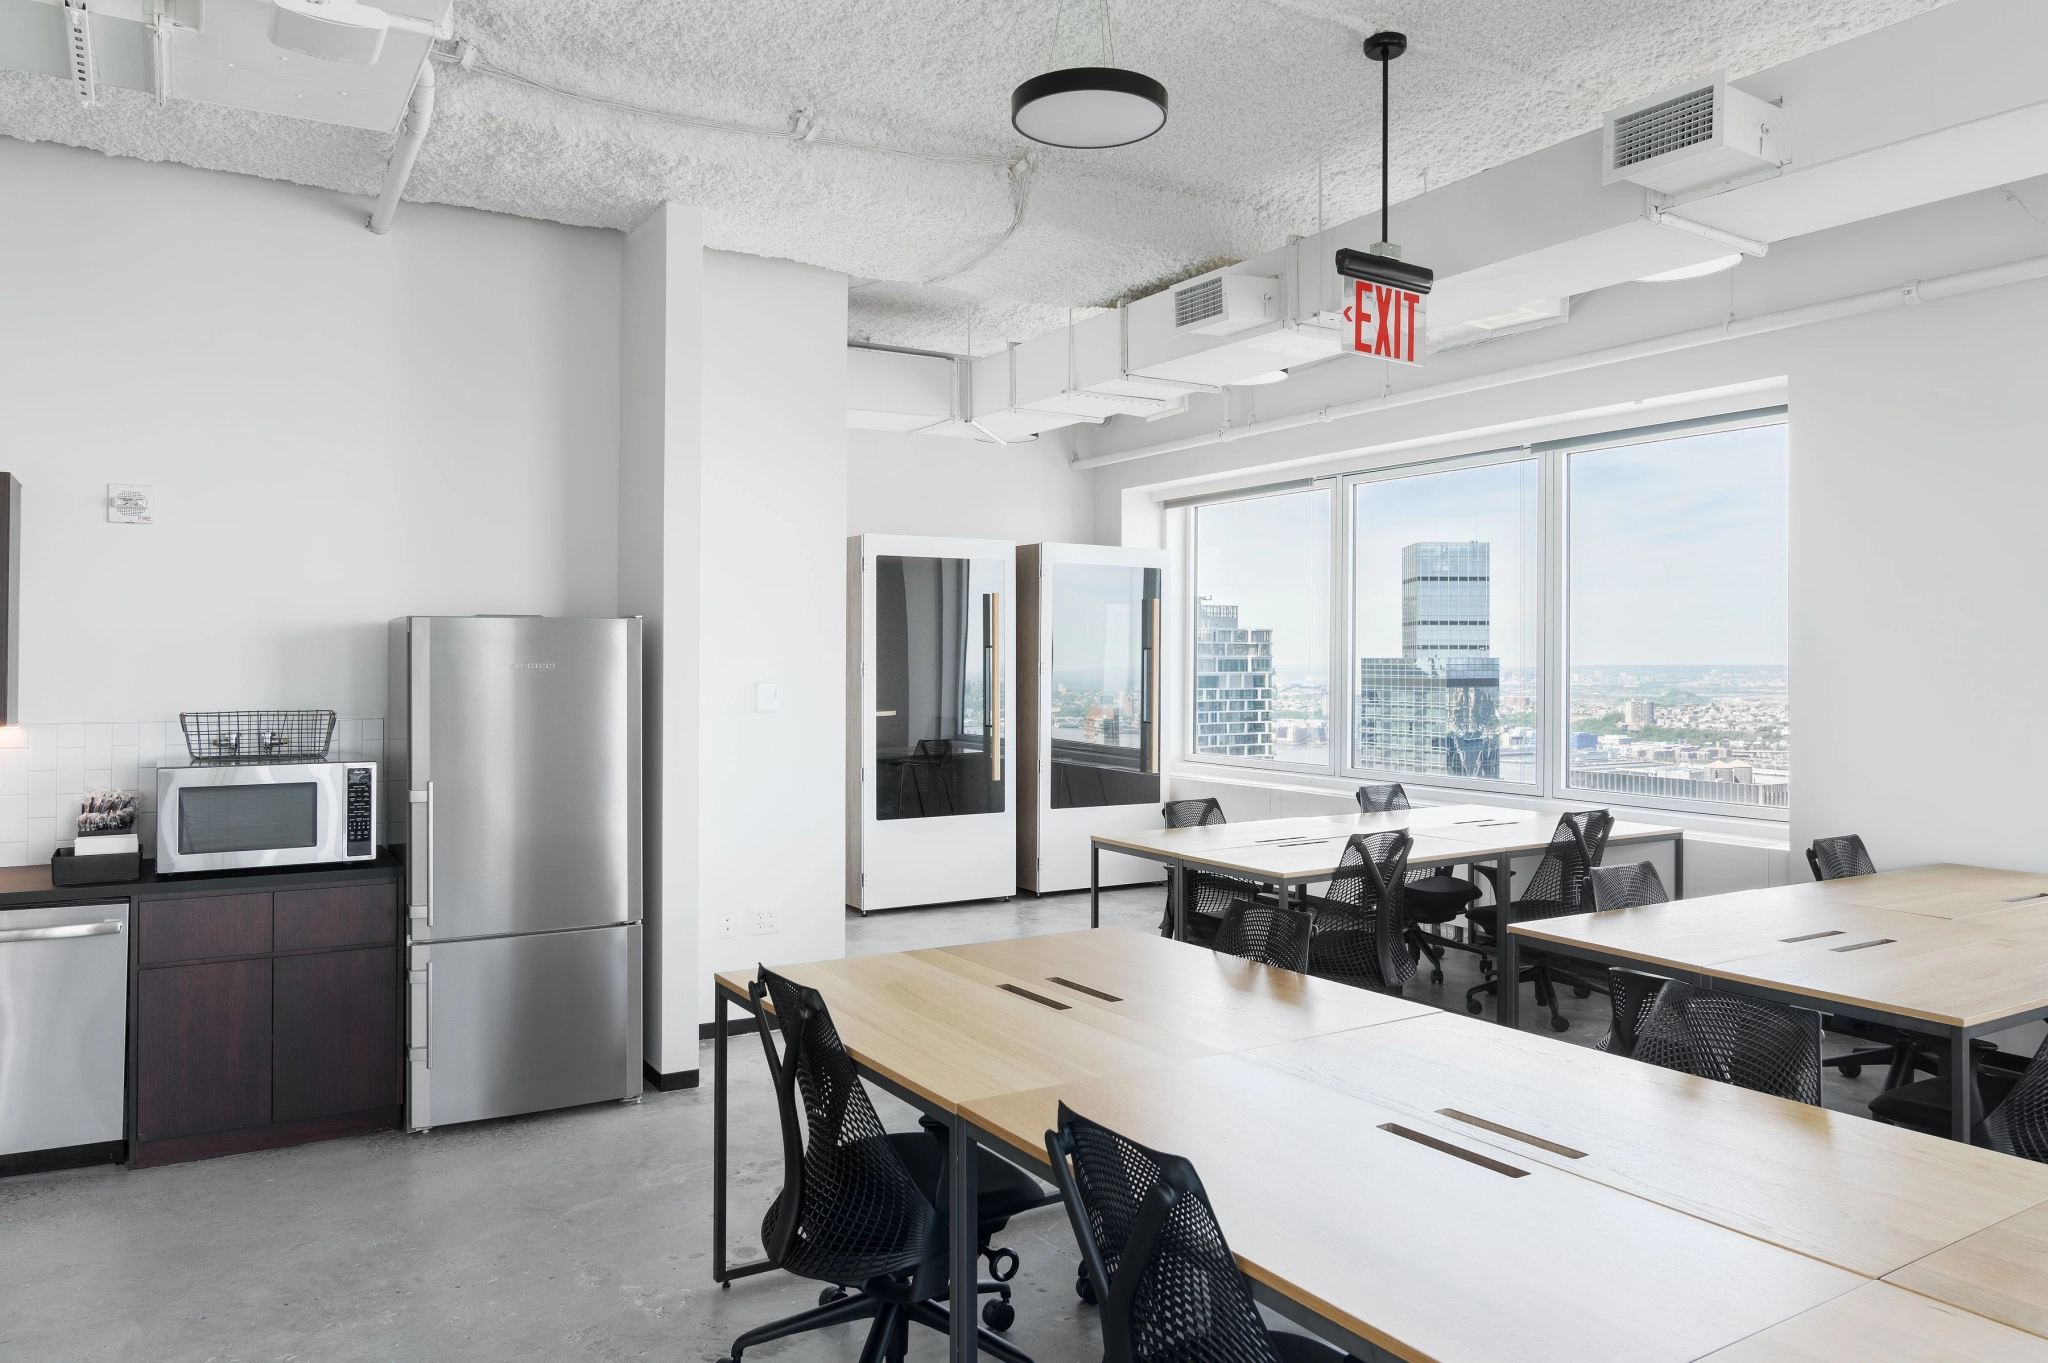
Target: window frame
1553 632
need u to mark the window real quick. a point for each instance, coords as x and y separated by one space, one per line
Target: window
1444 645
1599 619
1678 620
1261 663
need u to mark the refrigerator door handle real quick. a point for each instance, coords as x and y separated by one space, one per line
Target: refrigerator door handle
419 877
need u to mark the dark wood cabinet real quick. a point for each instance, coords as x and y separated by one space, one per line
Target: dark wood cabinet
266 1018
335 1034
204 1059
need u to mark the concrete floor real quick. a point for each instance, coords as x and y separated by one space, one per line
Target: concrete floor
579 1234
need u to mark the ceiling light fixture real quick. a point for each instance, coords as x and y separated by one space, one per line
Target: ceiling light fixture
1381 262
1705 267
1089 106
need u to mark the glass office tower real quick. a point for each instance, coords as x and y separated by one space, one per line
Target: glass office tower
1435 710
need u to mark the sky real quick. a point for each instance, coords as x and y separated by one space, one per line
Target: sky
1677 555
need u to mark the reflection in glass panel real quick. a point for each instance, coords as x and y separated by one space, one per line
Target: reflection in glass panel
1262 629
1104 678
941 718
1444 627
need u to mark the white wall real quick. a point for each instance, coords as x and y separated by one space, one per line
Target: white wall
941 485
339 428
773 490
1917 559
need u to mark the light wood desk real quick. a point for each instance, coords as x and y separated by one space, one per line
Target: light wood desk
1286 853
1223 1002
1878 1321
2001 1272
1843 1189
1951 977
1344 1224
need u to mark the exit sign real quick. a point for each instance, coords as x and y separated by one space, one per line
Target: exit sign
1388 322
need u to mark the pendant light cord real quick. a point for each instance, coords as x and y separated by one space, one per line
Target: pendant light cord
1385 198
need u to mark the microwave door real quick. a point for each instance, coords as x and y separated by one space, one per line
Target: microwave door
529 754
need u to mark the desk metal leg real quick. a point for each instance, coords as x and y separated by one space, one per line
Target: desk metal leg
962 1221
718 1117
1094 884
1507 955
1177 881
1962 1087
1678 867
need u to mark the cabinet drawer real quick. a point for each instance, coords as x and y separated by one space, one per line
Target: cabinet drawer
344 916
194 929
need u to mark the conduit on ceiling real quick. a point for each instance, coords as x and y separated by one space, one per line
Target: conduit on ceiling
1877 300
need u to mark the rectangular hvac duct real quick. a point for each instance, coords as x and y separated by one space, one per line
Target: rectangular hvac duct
1696 135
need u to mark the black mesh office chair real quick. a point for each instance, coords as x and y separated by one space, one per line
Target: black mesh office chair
1925 1104
1154 1256
1839 858
1631 995
2019 1124
1210 893
861 1207
1633 885
1750 1043
1356 939
1558 887
1433 897
1265 933
1901 1053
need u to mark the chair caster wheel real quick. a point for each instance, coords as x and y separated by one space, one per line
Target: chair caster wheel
998 1315
1436 977
1472 1007
1083 1288
1560 1024
830 1295
1580 991
1851 1071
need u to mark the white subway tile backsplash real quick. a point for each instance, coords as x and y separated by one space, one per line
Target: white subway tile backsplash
14 736
150 744
99 744
145 792
70 735
13 771
42 747
14 819
70 770
124 768
127 735
67 818
145 831
42 794
13 854
42 840
99 778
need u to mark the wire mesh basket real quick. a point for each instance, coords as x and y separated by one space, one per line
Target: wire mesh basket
242 737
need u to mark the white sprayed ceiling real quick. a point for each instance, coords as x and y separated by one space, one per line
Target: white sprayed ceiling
1263 93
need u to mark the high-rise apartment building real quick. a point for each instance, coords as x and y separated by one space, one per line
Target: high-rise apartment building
1435 709
1233 685
1638 714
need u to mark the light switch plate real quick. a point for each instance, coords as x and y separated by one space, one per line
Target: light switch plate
767 697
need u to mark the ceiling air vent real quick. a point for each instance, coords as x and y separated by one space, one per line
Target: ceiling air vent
1223 303
1701 134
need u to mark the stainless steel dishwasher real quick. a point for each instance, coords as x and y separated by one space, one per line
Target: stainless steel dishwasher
63 1025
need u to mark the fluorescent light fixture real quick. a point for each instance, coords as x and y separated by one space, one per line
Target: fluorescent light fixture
1379 265
1089 106
1705 267
1273 376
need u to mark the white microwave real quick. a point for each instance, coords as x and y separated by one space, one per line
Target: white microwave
223 818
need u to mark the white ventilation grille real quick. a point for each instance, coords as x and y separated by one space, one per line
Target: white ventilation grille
1198 303
1685 120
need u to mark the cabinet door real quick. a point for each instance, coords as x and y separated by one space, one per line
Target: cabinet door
202 1054
336 1042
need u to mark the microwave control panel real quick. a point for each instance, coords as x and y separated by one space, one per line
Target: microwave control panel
361 836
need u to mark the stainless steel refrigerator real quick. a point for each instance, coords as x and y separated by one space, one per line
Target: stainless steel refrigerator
513 745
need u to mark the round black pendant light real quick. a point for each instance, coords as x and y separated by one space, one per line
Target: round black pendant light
1089 106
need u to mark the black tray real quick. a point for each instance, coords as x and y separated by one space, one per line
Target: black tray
108 868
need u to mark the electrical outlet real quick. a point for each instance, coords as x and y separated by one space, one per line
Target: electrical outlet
729 923
763 921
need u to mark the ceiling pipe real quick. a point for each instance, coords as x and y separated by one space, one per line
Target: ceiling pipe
418 115
1878 300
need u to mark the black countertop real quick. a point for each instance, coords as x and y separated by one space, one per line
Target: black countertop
24 887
